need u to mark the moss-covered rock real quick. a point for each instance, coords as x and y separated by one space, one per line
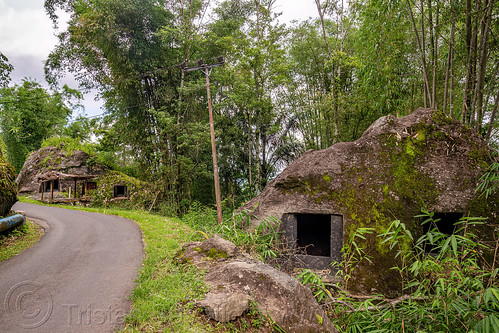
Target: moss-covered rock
399 165
76 163
54 159
8 188
137 194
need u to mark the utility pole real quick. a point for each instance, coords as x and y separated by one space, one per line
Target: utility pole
207 71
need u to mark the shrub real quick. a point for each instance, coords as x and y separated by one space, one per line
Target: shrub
450 289
69 145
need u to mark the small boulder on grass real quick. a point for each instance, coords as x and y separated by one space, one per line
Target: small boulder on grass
236 279
225 306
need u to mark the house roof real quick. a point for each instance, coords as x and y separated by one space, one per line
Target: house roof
53 175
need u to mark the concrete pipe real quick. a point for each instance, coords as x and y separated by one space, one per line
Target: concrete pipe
11 222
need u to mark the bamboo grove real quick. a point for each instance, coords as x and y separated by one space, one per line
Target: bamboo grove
285 88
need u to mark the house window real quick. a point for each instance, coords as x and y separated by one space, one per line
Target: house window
445 223
120 191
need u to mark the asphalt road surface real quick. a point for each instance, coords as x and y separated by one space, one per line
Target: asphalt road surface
77 278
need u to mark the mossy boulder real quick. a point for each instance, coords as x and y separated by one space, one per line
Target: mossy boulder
137 194
235 279
8 188
52 158
398 166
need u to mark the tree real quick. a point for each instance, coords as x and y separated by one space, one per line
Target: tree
131 51
28 115
5 70
257 128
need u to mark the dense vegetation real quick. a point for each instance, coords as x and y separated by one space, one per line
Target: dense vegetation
284 88
446 290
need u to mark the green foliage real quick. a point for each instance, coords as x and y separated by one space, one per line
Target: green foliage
139 194
282 90
3 148
448 290
262 241
8 187
28 115
81 128
18 239
354 253
307 277
489 182
5 70
69 145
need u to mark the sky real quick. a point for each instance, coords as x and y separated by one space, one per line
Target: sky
27 37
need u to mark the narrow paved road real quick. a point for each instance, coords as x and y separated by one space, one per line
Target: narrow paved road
77 278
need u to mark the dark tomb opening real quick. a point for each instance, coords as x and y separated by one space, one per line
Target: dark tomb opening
445 223
313 234
46 184
119 191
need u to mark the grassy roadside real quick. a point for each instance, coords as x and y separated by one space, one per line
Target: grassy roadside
19 239
162 298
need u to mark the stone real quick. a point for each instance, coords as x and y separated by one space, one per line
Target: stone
207 253
291 305
108 187
224 307
222 247
398 166
235 279
51 158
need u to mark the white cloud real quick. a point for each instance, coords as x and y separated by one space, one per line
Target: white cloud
25 31
299 10
27 36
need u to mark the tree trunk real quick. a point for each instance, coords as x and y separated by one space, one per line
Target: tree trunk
482 66
433 49
471 32
422 55
492 118
452 52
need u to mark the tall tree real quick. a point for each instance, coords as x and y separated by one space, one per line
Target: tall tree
130 51
5 70
252 85
28 115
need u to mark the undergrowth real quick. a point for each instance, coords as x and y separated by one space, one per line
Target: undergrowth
165 293
261 241
450 289
18 239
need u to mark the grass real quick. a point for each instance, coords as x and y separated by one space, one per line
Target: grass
164 293
19 239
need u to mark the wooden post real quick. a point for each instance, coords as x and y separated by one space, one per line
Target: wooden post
43 188
70 192
51 190
214 151
75 188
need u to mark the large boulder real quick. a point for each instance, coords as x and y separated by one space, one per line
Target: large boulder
236 279
399 165
74 168
8 189
54 159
